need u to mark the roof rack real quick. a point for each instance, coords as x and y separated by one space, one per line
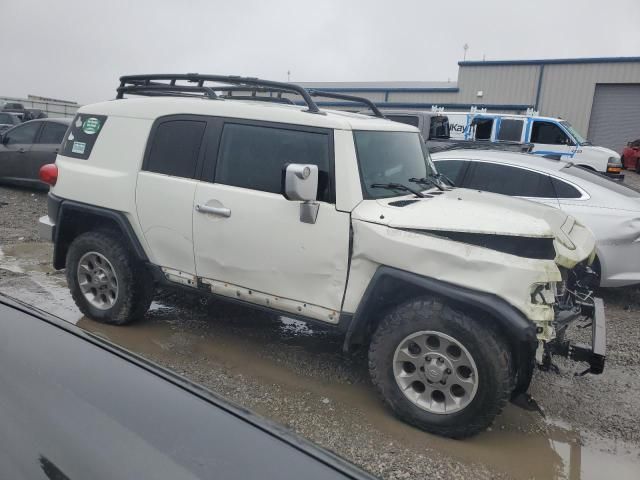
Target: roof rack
165 85
479 145
339 96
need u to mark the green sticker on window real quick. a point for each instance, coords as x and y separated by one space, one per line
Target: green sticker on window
91 126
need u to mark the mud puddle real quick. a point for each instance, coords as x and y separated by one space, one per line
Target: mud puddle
555 450
27 257
26 274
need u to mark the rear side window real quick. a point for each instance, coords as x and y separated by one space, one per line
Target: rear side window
53 133
507 180
175 148
253 157
439 128
24 134
510 130
482 128
83 133
564 190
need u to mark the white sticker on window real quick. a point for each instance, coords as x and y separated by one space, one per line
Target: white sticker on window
78 147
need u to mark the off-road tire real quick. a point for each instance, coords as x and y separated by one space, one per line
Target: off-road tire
483 341
135 284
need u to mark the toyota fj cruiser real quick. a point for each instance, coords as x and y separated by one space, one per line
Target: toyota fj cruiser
225 186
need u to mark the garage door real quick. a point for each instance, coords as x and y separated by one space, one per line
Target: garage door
615 116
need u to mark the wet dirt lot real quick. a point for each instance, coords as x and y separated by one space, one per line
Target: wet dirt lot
298 376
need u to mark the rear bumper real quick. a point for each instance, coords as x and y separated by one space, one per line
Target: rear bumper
46 228
594 354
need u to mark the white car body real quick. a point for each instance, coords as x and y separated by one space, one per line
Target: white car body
306 265
610 210
308 213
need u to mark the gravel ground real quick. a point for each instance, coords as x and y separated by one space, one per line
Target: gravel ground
18 209
298 377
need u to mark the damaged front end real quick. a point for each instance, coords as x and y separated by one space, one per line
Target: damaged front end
574 302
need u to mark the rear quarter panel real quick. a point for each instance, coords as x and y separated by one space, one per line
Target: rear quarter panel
108 177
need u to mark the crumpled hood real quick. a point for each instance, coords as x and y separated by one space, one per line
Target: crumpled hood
471 211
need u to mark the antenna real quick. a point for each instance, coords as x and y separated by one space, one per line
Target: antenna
288 75
465 47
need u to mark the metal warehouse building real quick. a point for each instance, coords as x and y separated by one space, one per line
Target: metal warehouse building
599 96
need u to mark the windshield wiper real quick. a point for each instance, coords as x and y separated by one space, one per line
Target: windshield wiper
432 179
442 176
397 186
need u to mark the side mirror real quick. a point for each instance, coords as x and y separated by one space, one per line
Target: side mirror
300 182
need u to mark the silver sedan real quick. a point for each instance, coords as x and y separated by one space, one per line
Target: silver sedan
610 209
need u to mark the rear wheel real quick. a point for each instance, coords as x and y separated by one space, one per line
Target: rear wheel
107 284
440 369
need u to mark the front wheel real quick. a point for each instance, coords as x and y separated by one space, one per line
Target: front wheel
440 369
107 284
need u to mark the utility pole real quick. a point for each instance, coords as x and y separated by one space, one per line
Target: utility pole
465 47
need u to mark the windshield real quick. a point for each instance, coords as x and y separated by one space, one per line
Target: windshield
574 133
391 157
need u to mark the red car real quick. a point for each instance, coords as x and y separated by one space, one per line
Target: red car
631 156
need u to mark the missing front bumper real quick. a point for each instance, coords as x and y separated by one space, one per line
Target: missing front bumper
594 354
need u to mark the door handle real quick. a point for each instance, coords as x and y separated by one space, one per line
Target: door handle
222 211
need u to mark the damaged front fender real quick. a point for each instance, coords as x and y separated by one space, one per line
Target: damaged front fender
509 277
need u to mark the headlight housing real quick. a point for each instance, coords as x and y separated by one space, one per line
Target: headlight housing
544 293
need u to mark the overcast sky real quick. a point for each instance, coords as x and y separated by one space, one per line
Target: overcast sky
76 50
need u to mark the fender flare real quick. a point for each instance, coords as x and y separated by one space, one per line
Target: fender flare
390 286
66 229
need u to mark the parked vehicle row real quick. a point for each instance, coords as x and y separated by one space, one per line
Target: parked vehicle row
455 293
27 147
548 136
24 114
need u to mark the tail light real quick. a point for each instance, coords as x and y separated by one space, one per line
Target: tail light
49 174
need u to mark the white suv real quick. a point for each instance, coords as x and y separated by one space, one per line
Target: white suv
325 216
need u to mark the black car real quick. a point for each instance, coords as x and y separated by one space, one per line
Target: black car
28 146
74 406
8 120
